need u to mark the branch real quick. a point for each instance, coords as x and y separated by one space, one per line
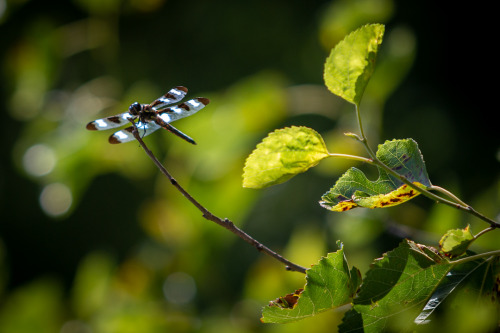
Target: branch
229 225
459 204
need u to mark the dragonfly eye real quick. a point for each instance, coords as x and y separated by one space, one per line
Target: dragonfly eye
135 109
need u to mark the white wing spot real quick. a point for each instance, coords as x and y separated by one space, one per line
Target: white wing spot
101 123
165 117
121 135
177 110
195 103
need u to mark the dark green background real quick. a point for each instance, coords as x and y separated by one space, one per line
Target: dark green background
446 102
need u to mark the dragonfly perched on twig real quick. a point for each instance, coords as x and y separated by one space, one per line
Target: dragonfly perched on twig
159 114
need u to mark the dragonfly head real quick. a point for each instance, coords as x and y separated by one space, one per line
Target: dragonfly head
135 109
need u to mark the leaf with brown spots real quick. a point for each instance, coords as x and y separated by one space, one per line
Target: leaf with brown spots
354 189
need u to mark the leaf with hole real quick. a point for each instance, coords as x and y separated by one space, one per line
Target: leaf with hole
329 284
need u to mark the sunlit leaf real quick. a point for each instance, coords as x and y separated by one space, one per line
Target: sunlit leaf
402 280
354 189
329 284
351 62
283 154
455 242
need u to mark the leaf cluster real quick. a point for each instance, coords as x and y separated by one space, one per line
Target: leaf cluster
410 281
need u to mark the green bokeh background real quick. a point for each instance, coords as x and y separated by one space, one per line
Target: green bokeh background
94 239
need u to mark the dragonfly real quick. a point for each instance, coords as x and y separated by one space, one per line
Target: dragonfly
150 117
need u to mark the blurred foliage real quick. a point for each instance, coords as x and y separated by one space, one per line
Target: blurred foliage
94 239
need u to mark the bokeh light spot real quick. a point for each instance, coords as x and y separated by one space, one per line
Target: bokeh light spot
56 199
39 160
179 288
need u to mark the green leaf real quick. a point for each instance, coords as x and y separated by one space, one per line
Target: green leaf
351 62
395 286
455 242
329 284
283 154
354 189
474 271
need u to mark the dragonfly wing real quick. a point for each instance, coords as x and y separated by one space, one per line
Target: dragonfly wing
182 110
126 135
173 96
110 122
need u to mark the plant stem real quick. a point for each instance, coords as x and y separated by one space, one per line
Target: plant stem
226 223
353 157
459 204
482 232
363 140
448 193
477 256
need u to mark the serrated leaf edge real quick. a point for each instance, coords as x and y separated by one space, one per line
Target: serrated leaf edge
285 176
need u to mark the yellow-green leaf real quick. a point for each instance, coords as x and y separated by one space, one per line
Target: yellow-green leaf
351 62
283 154
396 197
455 242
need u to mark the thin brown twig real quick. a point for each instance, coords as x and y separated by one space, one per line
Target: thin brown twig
226 223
